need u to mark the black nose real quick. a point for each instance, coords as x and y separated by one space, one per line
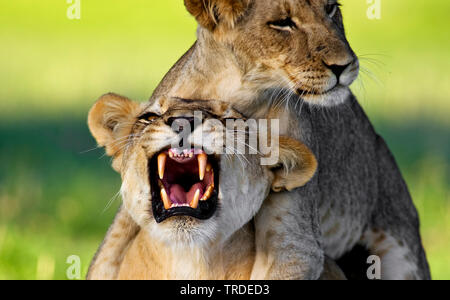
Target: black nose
179 124
338 69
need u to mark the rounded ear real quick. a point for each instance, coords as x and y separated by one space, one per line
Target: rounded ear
296 165
110 120
210 13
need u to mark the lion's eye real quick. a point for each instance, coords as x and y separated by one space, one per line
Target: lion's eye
286 24
148 117
332 8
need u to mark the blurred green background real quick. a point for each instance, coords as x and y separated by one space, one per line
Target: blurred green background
57 198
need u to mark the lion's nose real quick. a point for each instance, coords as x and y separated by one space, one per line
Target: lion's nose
180 124
338 69
345 74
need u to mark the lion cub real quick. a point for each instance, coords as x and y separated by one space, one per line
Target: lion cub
188 213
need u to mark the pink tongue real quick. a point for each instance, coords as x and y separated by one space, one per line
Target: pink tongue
190 195
179 196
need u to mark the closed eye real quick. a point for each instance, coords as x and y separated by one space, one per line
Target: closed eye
286 24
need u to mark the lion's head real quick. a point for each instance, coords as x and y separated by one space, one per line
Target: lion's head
299 45
191 194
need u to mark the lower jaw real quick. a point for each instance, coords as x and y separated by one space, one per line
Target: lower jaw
335 96
203 211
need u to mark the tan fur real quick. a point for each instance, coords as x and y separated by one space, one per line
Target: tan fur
211 13
291 151
278 237
239 54
106 264
332 271
149 260
240 63
140 258
239 59
148 256
110 124
152 260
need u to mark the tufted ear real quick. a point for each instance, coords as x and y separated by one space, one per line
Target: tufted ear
110 121
211 13
296 165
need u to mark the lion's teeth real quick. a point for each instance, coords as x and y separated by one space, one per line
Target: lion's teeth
161 164
208 168
206 196
179 205
194 202
208 193
165 199
202 161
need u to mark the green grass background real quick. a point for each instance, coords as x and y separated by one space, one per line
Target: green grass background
54 196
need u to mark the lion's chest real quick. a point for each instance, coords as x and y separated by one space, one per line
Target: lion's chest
149 260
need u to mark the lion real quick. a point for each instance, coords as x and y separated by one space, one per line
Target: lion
293 55
194 210
247 47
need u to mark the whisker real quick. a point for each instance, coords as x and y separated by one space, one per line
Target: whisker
111 201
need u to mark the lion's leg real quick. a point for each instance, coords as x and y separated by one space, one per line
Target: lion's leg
331 271
394 233
397 257
286 244
107 260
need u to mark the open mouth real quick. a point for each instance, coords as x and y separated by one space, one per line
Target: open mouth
184 183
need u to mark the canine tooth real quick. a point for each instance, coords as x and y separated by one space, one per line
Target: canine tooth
206 196
165 199
194 202
208 193
202 161
161 164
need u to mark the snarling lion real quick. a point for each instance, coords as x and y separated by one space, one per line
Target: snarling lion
194 210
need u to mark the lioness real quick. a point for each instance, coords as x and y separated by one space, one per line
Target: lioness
194 210
293 54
